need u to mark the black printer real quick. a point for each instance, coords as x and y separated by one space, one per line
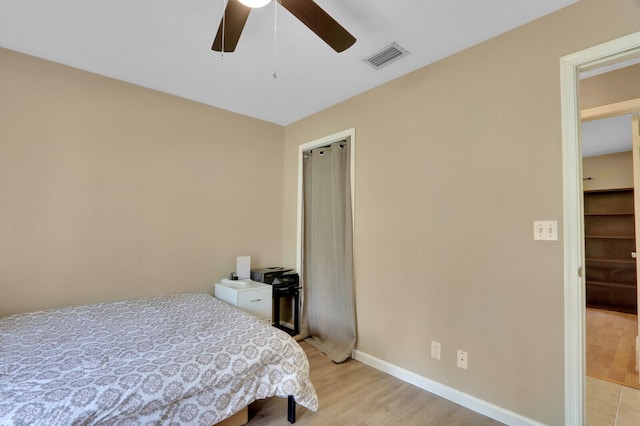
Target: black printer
267 275
287 279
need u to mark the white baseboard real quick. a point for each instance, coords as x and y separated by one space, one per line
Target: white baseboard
471 402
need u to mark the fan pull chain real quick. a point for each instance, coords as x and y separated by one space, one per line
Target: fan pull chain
275 36
224 21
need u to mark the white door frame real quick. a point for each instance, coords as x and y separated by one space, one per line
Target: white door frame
574 287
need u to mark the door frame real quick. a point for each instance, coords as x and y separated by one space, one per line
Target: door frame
574 287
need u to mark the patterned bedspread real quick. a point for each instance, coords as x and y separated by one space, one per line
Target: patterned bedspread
182 359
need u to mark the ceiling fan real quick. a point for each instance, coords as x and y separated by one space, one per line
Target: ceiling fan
307 12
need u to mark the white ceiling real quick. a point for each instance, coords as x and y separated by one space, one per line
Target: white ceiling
606 136
165 45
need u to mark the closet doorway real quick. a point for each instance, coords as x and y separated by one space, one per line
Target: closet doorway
325 243
571 66
611 321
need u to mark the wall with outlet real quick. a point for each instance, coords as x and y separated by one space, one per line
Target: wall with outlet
435 349
453 164
462 357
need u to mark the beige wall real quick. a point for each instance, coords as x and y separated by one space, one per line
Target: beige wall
453 164
608 171
611 87
110 191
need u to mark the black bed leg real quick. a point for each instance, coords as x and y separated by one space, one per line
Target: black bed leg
291 409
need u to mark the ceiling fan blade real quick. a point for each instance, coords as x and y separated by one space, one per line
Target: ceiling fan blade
235 16
319 21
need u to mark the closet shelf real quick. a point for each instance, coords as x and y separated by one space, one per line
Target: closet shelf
609 228
608 214
612 237
610 260
611 284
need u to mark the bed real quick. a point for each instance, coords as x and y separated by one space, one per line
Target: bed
182 359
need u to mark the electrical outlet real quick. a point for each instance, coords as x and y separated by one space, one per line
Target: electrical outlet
435 349
463 359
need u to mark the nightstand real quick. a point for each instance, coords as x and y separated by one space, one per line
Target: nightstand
250 296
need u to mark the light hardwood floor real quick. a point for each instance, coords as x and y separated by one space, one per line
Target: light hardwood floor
610 346
353 393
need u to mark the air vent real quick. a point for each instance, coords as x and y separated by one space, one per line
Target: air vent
389 54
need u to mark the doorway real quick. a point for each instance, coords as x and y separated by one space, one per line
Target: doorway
574 282
609 228
325 243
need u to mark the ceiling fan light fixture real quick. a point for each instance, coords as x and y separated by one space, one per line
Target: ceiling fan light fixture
254 4
307 12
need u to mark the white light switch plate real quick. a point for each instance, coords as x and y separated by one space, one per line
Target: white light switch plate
545 230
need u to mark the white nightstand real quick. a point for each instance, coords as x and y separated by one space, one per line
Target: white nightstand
250 296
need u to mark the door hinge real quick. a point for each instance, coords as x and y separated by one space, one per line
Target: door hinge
580 271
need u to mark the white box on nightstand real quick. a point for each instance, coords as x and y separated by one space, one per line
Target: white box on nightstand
250 296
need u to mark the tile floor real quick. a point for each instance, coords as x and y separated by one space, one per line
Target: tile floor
611 404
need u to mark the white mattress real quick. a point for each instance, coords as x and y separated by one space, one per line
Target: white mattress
181 359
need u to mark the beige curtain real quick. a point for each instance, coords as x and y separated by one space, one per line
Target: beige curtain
329 303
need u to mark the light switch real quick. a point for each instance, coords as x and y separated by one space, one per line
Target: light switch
546 230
